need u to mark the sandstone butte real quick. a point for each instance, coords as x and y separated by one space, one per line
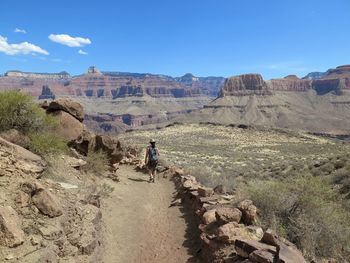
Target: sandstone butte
335 80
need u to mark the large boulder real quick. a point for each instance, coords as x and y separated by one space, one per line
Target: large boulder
262 256
69 127
249 212
205 191
209 217
47 203
72 107
110 146
226 215
88 142
288 252
85 142
25 160
244 247
11 235
229 232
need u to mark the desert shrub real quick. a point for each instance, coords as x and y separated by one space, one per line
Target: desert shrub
209 177
307 211
46 142
96 163
19 111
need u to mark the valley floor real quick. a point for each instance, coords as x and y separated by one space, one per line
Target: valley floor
139 225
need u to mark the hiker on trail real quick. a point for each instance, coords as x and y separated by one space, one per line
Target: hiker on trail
151 160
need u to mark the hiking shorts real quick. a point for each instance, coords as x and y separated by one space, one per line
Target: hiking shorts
152 166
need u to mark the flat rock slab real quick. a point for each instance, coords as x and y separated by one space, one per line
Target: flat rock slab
11 234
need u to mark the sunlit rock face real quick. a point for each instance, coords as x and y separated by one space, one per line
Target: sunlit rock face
112 85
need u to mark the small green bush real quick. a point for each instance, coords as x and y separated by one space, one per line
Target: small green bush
307 211
46 142
19 111
97 163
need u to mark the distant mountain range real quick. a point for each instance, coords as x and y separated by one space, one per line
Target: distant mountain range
114 101
110 84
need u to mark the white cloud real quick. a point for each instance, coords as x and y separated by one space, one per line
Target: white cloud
24 48
17 30
82 52
69 41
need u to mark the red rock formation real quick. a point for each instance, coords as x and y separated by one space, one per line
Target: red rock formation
242 85
290 83
208 85
336 80
105 85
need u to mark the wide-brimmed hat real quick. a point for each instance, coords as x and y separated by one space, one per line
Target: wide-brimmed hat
152 141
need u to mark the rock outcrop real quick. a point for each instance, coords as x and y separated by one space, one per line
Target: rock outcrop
47 203
11 234
20 159
69 127
70 106
41 219
248 84
46 93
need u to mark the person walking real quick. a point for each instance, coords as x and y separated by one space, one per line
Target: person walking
151 160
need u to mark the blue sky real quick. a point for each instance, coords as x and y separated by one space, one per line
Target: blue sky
205 37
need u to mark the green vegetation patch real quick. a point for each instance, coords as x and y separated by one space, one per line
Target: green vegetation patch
307 211
19 111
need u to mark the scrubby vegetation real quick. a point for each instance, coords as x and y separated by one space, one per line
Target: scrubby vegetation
46 142
96 163
306 210
299 182
20 112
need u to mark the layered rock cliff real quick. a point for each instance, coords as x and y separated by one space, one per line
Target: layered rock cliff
334 81
248 84
208 85
112 85
290 83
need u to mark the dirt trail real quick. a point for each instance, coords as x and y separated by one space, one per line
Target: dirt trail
139 225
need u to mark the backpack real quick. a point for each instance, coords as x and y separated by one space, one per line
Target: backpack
153 154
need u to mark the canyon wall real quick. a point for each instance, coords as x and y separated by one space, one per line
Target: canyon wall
334 81
112 85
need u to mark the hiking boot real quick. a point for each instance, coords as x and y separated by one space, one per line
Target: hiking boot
151 179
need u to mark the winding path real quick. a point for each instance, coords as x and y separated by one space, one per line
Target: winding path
139 225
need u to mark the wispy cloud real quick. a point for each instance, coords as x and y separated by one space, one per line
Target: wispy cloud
82 52
69 41
24 48
17 30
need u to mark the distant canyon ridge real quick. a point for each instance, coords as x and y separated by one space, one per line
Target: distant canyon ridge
117 101
111 85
